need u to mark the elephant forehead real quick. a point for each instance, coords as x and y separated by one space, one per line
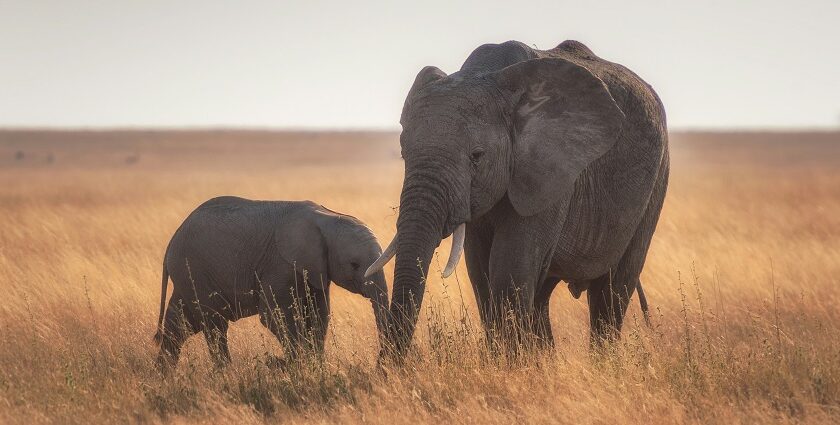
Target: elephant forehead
452 101
439 135
438 109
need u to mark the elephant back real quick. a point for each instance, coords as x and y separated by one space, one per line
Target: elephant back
493 57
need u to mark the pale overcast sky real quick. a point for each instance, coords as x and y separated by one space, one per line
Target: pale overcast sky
348 64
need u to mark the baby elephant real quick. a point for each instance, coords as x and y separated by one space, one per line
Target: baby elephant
234 258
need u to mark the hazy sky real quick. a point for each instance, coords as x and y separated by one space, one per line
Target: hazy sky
349 64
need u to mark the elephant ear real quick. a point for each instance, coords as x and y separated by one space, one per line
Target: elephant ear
564 119
307 245
426 76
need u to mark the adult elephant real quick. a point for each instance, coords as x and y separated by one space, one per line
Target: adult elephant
547 166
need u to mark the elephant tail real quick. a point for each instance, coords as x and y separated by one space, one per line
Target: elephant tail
164 282
643 302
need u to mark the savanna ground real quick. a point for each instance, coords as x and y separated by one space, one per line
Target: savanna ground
742 276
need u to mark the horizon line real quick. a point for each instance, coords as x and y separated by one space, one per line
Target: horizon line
372 129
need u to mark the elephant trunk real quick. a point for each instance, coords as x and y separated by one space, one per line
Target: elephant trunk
419 228
377 291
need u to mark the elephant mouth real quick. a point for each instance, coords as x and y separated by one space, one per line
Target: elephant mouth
458 232
448 229
451 224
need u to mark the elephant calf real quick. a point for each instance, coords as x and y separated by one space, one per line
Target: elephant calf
234 258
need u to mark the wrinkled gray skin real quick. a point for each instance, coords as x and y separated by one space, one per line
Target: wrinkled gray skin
239 258
556 160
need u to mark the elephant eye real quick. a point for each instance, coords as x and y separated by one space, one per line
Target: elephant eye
355 266
476 155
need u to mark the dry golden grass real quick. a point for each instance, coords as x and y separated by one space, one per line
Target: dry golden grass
742 275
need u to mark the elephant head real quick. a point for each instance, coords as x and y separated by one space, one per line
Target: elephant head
525 132
351 247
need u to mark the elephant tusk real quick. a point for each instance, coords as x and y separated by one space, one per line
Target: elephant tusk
457 247
383 259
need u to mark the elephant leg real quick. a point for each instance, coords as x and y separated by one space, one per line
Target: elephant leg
178 325
317 319
513 284
296 314
477 252
274 318
283 323
510 311
519 260
306 318
540 317
215 333
609 295
277 308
